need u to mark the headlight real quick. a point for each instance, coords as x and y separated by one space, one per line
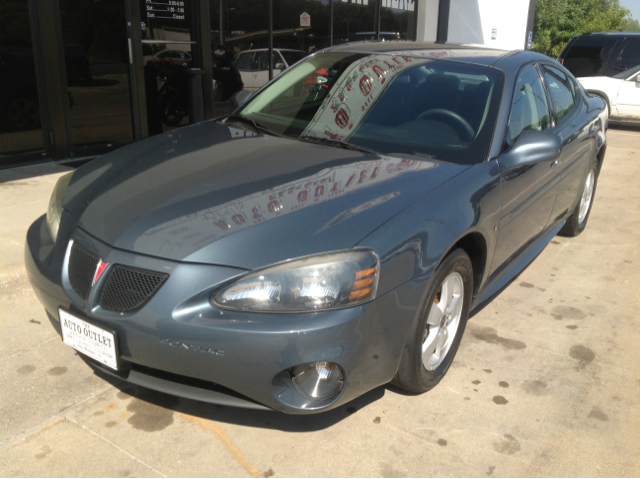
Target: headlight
327 281
55 205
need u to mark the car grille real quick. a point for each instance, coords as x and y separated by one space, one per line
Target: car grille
129 288
82 267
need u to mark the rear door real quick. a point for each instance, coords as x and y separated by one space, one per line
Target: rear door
629 54
572 126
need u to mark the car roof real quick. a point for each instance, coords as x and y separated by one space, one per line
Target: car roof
275 49
469 54
609 33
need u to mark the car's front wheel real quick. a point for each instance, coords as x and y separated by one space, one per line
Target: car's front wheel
577 222
436 336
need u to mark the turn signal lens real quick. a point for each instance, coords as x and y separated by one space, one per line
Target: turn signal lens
365 272
360 290
314 283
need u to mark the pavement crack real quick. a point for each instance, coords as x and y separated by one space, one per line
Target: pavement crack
59 413
114 445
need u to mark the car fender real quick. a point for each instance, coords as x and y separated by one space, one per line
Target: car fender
601 94
413 243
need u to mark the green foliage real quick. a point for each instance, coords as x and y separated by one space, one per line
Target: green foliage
630 25
559 20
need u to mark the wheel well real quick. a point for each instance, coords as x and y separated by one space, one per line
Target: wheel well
475 246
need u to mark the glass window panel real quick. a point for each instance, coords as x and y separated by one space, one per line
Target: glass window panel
245 61
96 56
561 90
20 128
631 53
529 108
398 20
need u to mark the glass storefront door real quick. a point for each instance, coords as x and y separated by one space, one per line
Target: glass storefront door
20 126
96 58
79 78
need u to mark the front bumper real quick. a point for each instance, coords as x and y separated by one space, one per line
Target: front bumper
180 344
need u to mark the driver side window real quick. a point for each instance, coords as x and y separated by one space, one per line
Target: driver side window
529 108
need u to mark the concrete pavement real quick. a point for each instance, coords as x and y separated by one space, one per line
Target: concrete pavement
546 381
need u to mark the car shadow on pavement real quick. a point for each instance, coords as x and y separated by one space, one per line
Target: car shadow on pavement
247 417
624 126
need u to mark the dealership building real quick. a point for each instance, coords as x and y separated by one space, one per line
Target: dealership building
81 78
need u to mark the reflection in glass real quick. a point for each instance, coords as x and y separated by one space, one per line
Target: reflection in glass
96 58
186 234
388 103
167 57
529 110
20 128
399 17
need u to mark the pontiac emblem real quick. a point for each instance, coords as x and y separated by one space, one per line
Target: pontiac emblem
99 270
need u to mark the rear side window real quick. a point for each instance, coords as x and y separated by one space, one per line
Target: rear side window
261 60
529 109
630 55
244 61
561 89
588 55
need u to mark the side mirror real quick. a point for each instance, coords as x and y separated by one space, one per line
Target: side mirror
279 66
532 147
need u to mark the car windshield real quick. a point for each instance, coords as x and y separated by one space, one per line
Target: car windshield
627 73
388 103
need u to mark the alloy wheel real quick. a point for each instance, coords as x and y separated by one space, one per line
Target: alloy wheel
443 321
587 195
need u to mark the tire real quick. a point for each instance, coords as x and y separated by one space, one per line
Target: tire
453 278
577 222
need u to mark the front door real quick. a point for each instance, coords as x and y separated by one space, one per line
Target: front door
261 76
528 191
629 98
246 65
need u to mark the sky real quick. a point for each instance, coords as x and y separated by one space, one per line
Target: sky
634 6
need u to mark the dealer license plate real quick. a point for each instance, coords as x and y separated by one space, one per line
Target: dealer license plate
95 342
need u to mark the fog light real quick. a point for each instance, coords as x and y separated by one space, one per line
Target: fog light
318 381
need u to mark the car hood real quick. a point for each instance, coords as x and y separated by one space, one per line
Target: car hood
221 194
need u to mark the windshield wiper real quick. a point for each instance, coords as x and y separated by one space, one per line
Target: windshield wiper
338 143
256 126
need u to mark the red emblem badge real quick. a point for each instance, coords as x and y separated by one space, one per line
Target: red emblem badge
99 270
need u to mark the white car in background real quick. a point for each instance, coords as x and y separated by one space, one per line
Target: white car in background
621 93
254 68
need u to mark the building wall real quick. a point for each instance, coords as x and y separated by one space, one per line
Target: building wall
427 27
493 23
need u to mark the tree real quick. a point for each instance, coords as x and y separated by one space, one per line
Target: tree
630 25
558 20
